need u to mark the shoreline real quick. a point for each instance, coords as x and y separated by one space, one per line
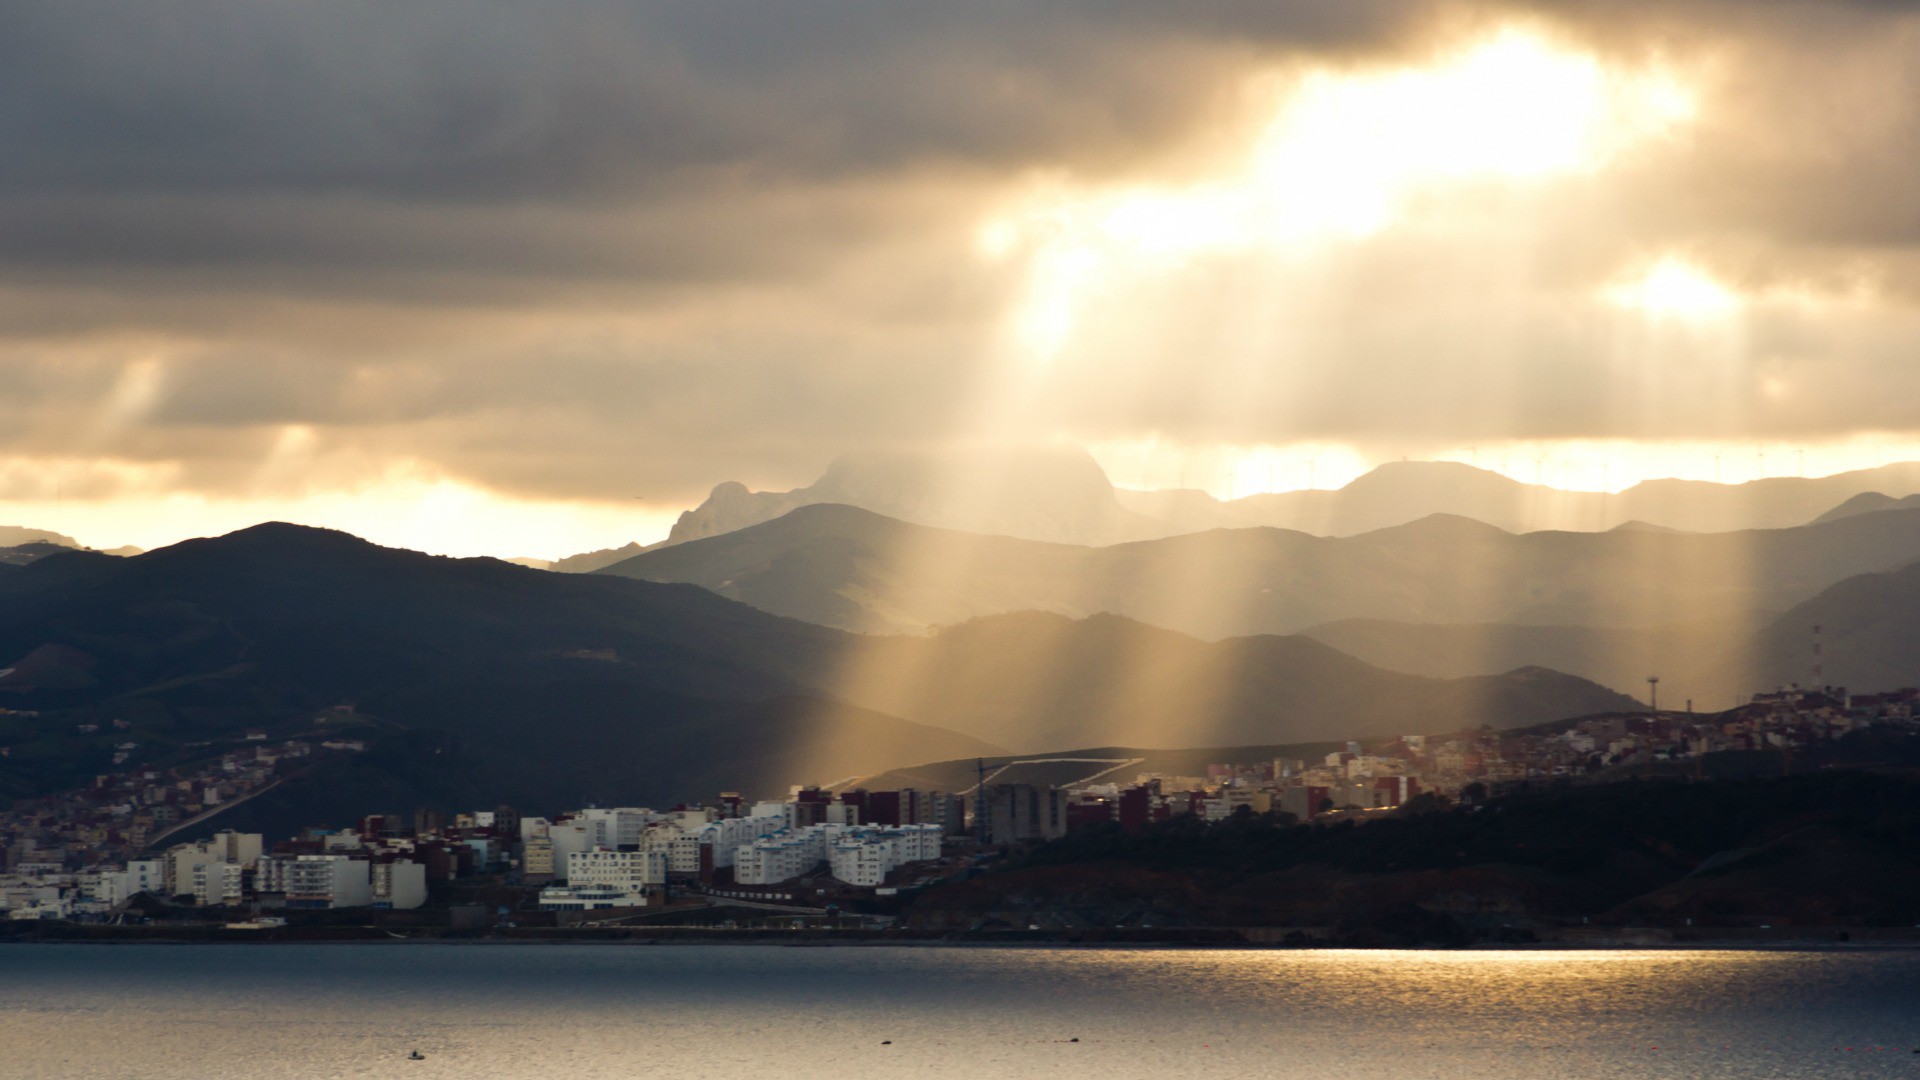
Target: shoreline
1858 939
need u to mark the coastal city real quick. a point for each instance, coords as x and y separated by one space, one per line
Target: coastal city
91 854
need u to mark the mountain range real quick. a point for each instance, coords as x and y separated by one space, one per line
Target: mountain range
840 566
473 680
1400 492
1062 495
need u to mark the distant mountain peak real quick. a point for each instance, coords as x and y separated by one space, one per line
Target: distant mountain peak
1441 525
1050 493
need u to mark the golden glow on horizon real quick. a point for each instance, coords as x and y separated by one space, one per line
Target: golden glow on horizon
108 504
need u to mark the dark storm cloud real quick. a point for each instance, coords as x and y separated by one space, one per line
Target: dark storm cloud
512 99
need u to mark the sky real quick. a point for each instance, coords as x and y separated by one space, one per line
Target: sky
530 279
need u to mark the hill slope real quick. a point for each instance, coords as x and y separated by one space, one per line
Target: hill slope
1871 502
482 681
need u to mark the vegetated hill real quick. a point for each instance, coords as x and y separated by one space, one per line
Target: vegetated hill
482 680
1035 682
1870 502
476 681
22 554
1817 850
840 566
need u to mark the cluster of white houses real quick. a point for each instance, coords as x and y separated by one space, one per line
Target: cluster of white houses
607 858
594 858
226 869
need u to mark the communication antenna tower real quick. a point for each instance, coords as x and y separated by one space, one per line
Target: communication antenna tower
980 801
1819 676
1653 693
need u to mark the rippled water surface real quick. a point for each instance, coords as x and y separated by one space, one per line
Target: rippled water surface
580 1012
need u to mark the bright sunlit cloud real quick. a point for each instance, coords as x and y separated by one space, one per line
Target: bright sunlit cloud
1345 155
1672 288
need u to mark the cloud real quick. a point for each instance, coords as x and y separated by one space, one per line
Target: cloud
584 252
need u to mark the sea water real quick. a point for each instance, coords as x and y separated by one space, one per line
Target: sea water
477 1011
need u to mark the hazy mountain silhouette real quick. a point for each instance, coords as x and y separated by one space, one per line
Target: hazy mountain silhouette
1035 681
1702 662
588 562
32 550
1870 502
1061 495
476 680
17 535
1869 627
1870 636
1401 492
849 568
1045 493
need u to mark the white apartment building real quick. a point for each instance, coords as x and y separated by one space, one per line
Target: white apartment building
146 876
317 881
589 898
782 856
102 884
866 856
183 860
537 857
613 827
568 837
630 870
782 810
726 835
861 855
860 860
218 883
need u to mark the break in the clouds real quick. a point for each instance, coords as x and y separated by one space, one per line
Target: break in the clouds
595 258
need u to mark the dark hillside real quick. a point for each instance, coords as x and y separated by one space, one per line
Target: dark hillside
1819 850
